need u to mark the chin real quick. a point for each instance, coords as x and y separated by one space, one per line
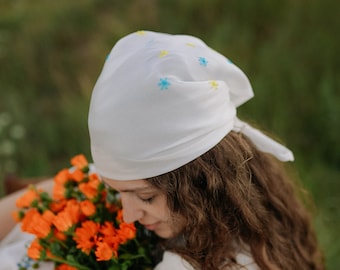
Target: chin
165 234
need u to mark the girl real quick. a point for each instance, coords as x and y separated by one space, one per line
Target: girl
165 134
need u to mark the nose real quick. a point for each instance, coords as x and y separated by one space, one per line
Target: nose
131 210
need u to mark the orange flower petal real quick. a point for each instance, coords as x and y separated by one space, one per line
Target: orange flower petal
86 235
77 175
34 223
57 206
87 208
27 198
58 192
34 250
63 221
104 252
65 267
126 232
59 235
16 216
90 189
62 177
79 161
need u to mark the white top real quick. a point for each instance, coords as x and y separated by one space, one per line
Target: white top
173 261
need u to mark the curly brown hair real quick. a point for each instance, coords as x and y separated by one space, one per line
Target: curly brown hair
235 194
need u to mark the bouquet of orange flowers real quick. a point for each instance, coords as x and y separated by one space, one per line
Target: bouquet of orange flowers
80 226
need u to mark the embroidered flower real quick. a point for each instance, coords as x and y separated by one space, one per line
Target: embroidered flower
163 83
203 61
213 84
190 44
163 53
141 33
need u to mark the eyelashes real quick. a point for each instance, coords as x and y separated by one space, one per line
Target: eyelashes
148 200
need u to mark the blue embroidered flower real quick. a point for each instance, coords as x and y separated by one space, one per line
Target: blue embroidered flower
163 83
27 263
203 61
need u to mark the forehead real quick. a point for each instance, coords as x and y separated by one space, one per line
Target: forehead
130 185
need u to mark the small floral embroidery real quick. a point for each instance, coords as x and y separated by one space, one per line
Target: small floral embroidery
163 83
141 33
27 263
190 44
203 61
213 84
163 53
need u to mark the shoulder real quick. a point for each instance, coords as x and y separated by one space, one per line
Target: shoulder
173 261
247 261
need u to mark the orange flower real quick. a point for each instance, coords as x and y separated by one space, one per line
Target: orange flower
65 267
34 223
68 217
48 216
104 252
58 192
107 229
126 232
63 221
119 217
86 235
16 216
72 206
27 198
87 208
34 249
109 235
62 177
113 208
59 235
77 175
57 206
90 189
79 161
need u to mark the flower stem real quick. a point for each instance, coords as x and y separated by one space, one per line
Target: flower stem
78 266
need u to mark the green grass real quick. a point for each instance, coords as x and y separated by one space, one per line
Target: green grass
51 54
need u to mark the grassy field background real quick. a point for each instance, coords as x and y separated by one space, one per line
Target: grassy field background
51 53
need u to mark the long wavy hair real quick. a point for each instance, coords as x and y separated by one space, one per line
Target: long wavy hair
236 196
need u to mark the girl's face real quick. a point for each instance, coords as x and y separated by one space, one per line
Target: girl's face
146 204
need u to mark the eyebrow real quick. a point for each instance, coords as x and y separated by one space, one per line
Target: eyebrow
127 190
134 189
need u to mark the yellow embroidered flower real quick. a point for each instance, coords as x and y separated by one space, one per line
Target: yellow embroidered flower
213 84
163 53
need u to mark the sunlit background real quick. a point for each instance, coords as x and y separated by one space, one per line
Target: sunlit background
51 53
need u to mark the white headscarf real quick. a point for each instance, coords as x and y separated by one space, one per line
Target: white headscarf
163 100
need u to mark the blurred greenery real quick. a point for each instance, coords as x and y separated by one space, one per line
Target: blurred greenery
51 53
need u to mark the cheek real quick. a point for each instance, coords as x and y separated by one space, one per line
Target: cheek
172 227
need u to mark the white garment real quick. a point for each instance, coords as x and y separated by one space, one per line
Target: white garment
172 261
163 100
13 249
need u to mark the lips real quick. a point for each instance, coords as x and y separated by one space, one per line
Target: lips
151 227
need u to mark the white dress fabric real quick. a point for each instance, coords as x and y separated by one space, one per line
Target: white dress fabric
13 249
172 261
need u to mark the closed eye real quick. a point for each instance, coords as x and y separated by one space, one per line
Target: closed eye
148 200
